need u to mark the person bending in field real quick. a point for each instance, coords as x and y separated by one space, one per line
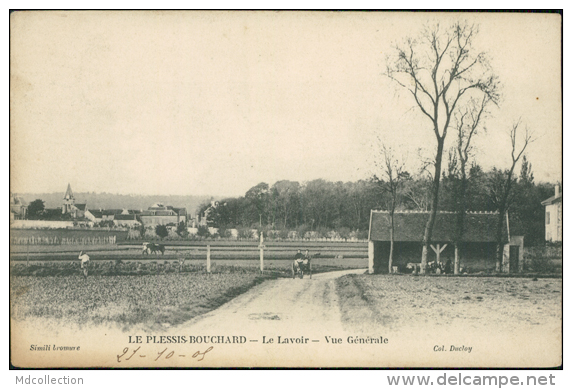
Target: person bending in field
84 258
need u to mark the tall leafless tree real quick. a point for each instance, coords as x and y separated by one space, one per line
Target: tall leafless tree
501 187
467 124
441 72
393 173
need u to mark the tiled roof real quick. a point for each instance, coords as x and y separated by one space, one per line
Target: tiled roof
125 217
410 226
553 199
111 211
96 214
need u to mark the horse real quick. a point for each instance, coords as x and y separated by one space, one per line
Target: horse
154 248
304 267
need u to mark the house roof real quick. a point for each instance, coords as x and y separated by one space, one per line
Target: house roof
81 207
111 211
125 217
96 214
180 211
410 226
553 199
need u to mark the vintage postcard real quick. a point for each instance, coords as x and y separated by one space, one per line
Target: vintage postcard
285 189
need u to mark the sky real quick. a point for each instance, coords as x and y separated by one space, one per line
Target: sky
212 103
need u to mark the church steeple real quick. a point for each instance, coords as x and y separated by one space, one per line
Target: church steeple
69 194
69 201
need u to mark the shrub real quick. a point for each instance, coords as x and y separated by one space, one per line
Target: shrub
540 264
134 235
150 234
322 232
244 233
362 234
344 233
161 231
203 231
302 230
224 233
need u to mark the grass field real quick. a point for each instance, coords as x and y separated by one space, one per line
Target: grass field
140 292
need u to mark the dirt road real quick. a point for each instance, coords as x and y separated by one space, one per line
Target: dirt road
281 306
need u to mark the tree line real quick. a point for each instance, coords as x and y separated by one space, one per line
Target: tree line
345 206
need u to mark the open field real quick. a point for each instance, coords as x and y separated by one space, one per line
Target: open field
276 268
220 250
157 300
469 304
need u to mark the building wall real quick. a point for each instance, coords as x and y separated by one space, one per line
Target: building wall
130 223
553 222
155 220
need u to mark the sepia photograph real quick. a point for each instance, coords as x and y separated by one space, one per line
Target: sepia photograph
285 189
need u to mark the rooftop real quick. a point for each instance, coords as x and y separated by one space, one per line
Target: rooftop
410 226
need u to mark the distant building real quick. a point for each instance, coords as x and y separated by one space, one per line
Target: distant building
161 214
553 216
18 208
93 215
203 219
126 220
69 207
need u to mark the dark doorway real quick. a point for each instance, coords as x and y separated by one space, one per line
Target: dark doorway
513 259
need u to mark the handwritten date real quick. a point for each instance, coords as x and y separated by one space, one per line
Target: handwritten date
128 354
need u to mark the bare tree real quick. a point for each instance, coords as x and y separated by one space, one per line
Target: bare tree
441 72
501 185
394 174
467 123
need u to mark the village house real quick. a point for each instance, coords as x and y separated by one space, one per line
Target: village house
553 218
126 220
161 214
479 240
18 208
203 219
94 216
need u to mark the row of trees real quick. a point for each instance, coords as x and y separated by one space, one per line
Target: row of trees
290 204
321 204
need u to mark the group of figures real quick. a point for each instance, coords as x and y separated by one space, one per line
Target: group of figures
434 267
148 248
302 264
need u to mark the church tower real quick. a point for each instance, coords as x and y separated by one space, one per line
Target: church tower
69 201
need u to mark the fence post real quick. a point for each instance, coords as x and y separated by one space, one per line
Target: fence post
261 247
208 258
28 254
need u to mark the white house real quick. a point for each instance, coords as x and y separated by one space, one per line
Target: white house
553 216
